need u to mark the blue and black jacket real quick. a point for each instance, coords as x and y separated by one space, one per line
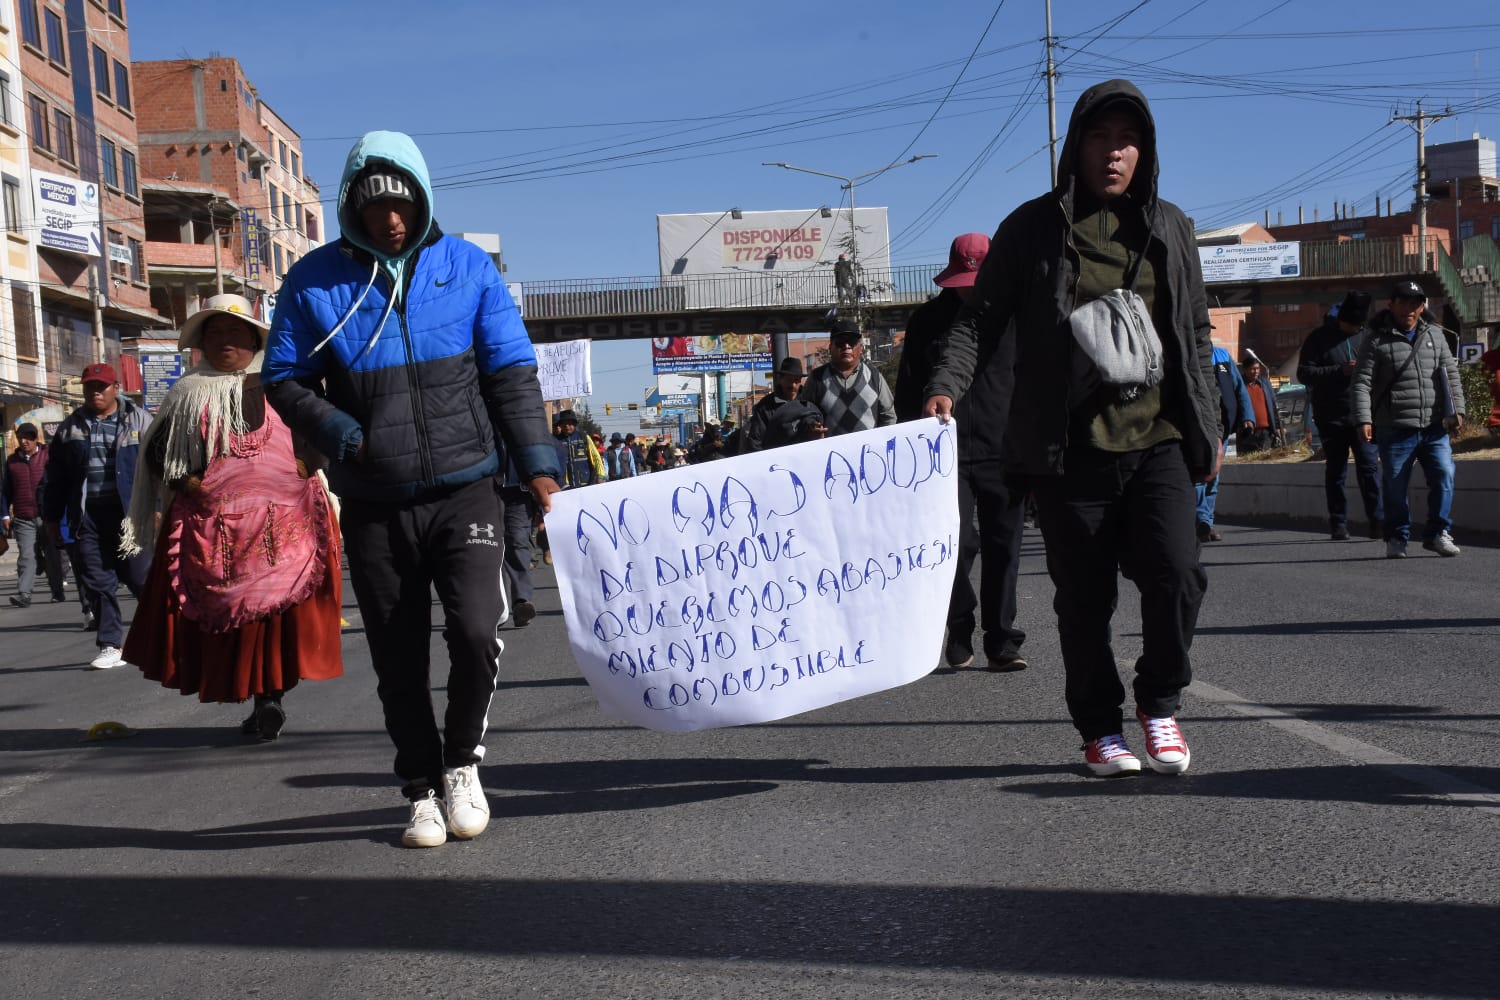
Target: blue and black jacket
420 357
1234 398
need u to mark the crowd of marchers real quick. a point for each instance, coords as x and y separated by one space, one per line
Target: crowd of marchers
389 420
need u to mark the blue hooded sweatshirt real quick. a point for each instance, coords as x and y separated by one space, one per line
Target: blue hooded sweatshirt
407 370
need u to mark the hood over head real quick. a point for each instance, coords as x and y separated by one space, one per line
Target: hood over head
381 153
1092 101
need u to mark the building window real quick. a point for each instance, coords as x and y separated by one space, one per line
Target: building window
312 226
239 151
137 262
287 212
13 221
1492 192
276 251
128 174
119 268
5 113
101 73
117 8
296 165
281 154
62 126
122 85
31 28
1495 227
25 310
57 39
275 202
1465 228
40 137
107 164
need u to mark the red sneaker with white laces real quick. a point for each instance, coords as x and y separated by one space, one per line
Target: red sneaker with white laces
1166 751
1109 756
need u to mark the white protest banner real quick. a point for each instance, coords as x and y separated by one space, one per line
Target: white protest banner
753 588
563 369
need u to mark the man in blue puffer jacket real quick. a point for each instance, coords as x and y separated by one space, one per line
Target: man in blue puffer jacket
398 352
1234 405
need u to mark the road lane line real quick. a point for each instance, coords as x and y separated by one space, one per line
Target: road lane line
1427 776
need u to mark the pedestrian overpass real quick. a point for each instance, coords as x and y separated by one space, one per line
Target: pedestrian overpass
798 301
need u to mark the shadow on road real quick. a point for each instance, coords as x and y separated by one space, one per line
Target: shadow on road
1386 947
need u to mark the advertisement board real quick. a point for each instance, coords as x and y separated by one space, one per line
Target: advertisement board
159 372
773 258
67 213
726 353
1251 261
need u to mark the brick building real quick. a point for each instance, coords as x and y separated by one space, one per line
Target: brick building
22 352
228 203
78 93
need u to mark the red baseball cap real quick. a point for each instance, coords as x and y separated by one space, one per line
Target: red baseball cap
99 373
964 258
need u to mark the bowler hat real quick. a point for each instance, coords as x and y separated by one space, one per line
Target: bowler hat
791 366
1355 308
565 417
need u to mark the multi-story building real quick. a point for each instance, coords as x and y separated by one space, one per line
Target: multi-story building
87 222
22 352
228 204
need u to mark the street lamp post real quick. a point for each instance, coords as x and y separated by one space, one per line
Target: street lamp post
848 185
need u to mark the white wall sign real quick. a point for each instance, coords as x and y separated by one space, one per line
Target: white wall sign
67 210
564 369
1251 261
757 587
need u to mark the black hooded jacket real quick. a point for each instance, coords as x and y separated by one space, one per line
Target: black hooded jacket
1026 291
1320 367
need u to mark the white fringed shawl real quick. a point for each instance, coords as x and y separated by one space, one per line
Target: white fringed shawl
204 391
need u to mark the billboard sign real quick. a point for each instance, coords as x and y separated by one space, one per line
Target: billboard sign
1251 261
67 211
774 258
729 352
159 372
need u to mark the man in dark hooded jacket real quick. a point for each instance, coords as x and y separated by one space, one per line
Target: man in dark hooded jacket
1326 367
1111 464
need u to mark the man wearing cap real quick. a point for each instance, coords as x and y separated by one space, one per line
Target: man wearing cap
780 418
90 474
1326 366
991 513
19 503
1109 443
851 395
575 451
397 351
1407 399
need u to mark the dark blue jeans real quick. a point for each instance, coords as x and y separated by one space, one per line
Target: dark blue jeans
994 536
104 568
1400 450
1339 442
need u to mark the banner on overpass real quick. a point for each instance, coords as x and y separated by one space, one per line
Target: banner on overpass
760 586
726 353
1251 261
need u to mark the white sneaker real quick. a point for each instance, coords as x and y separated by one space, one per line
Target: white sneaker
1442 545
468 811
109 656
425 828
1395 548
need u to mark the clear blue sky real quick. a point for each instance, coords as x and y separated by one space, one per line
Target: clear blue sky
567 127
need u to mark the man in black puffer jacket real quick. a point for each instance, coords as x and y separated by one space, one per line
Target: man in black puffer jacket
1326 367
1111 465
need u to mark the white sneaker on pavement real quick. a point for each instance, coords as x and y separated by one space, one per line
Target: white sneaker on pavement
1442 545
109 656
425 828
468 810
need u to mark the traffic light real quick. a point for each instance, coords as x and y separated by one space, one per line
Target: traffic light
607 409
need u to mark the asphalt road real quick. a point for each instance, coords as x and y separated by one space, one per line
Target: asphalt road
1336 837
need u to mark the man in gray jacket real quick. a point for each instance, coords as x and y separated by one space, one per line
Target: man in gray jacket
1407 398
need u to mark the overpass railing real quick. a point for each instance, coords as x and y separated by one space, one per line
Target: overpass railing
653 295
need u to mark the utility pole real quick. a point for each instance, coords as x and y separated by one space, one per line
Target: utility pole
1051 98
1419 123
